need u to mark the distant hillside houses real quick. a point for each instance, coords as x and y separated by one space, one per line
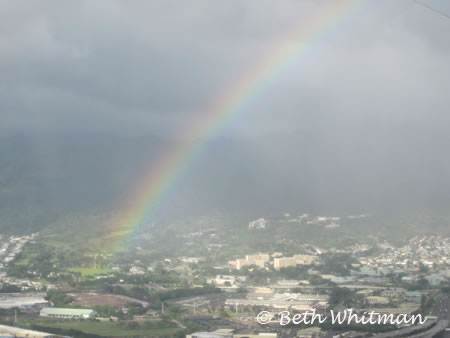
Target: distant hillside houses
227 280
192 260
136 270
260 223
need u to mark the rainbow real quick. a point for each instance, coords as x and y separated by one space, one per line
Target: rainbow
153 189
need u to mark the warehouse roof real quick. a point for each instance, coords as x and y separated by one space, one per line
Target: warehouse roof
63 311
16 331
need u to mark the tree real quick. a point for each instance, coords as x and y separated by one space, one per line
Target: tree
9 288
58 298
423 268
341 296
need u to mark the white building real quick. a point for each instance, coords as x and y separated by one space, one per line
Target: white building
54 312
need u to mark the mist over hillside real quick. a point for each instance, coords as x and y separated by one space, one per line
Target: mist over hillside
400 170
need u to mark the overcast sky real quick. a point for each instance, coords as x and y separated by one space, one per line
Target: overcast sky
151 66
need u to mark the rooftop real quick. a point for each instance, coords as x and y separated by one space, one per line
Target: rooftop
63 311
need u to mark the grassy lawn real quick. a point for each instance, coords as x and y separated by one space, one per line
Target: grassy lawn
108 329
89 272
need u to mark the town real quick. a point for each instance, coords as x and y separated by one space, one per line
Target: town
200 296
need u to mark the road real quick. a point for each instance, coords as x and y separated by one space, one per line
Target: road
441 309
441 312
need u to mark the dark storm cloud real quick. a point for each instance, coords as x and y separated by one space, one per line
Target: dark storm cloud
148 65
359 120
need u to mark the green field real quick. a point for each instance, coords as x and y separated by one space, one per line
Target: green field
107 329
89 272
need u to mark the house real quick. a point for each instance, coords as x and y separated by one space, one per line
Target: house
54 312
260 223
136 270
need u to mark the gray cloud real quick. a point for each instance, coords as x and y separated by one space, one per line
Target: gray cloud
360 120
150 66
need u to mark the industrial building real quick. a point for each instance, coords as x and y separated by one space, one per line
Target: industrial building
11 331
22 301
68 313
300 302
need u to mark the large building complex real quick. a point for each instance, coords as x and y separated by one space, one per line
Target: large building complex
258 260
286 262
